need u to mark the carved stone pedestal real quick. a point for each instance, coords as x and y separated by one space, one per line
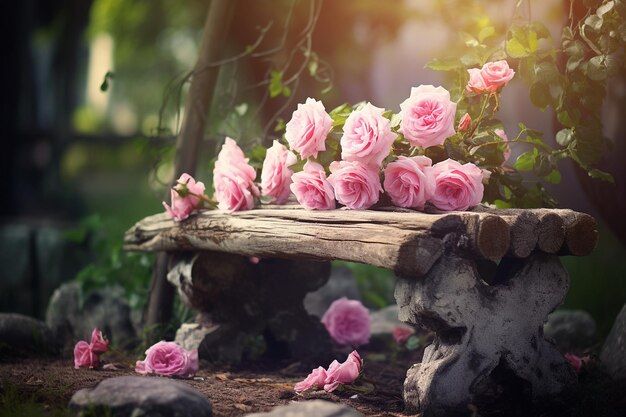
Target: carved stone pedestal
250 310
484 333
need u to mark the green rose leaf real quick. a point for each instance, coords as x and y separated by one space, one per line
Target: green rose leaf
564 137
526 161
601 175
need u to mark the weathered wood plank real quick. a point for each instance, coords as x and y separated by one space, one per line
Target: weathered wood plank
408 243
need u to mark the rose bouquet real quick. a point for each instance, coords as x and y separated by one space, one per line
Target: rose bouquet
434 152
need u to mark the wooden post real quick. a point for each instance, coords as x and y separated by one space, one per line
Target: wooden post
216 27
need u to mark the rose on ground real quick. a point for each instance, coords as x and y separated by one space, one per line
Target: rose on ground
312 189
88 354
410 182
457 187
356 185
343 373
276 175
507 150
402 333
169 359
98 343
427 116
307 130
314 381
233 179
465 122
576 361
347 322
367 136
186 195
84 356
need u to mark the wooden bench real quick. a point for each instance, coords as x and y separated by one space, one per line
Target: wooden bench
483 281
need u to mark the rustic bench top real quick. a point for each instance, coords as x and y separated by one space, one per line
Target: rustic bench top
408 242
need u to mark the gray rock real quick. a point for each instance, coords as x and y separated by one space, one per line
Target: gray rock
22 336
571 330
191 335
317 408
141 396
104 308
613 354
340 284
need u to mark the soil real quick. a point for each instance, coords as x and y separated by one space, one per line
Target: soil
232 392
50 383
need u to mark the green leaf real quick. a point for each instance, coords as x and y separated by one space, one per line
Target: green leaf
597 69
444 64
601 175
486 32
594 22
469 40
276 83
554 177
395 120
280 125
605 8
515 49
241 109
541 30
526 161
564 137
567 119
547 72
576 52
540 95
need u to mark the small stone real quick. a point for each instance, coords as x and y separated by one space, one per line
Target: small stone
103 308
22 336
128 396
317 408
613 354
571 330
340 284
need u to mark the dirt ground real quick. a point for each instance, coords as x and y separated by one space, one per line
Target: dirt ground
51 383
232 392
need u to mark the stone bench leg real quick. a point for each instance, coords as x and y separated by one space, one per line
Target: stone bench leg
482 331
247 309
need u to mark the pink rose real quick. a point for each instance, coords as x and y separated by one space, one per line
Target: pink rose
457 187
409 181
356 185
312 189
276 175
577 362
233 179
367 136
427 116
307 130
402 333
343 373
186 195
465 123
507 150
169 359
84 356
476 83
347 322
496 75
314 381
98 343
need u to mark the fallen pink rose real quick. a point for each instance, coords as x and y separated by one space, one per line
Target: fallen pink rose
576 361
98 343
314 381
343 373
169 359
84 356
402 333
